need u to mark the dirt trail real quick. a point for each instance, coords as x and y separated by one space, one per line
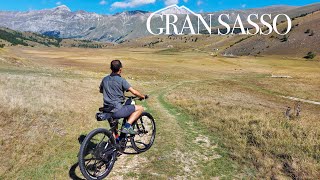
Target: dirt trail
302 100
185 149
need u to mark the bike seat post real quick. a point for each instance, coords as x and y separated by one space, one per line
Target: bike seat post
113 124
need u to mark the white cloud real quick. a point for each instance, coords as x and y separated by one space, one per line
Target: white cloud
199 2
131 3
243 5
58 3
170 2
103 2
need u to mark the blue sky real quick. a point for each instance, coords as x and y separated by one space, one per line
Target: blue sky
114 6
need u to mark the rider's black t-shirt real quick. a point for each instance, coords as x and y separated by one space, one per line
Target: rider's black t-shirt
113 88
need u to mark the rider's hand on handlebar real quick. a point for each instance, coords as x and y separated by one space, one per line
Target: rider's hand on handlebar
145 97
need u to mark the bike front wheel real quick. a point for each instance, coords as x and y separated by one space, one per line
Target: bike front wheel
97 154
146 128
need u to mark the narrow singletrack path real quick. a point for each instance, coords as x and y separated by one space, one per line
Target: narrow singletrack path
179 152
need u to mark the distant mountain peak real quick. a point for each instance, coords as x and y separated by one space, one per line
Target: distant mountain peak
175 9
132 12
62 8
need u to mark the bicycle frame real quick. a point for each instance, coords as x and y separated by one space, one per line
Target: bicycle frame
107 150
114 123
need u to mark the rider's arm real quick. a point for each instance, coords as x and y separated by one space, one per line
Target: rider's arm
101 88
137 93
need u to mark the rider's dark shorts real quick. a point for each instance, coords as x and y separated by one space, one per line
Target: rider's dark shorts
124 112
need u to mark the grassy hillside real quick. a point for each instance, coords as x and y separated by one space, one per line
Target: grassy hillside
303 38
10 37
210 44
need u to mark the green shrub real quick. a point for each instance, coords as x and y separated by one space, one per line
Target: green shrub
284 39
311 34
310 55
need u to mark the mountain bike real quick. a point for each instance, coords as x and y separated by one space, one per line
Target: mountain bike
100 149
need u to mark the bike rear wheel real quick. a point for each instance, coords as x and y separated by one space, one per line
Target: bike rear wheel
146 128
97 154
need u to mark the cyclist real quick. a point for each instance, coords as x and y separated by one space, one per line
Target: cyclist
113 87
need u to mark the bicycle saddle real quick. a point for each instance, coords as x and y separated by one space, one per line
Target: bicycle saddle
105 113
106 109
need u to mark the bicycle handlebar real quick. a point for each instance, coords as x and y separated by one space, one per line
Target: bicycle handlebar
135 97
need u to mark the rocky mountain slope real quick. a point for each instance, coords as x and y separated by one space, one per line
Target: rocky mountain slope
62 22
301 42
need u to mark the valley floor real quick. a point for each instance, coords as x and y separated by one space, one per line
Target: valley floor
217 117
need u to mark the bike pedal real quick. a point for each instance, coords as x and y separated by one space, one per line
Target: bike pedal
119 154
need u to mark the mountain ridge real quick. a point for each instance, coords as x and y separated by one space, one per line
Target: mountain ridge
64 23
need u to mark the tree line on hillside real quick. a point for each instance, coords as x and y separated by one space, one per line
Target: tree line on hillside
13 38
98 46
18 38
172 38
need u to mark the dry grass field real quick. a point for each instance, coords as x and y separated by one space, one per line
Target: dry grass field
217 117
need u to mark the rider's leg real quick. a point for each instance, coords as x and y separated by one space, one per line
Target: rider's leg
115 135
136 114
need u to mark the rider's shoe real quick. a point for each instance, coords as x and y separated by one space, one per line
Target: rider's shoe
128 130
